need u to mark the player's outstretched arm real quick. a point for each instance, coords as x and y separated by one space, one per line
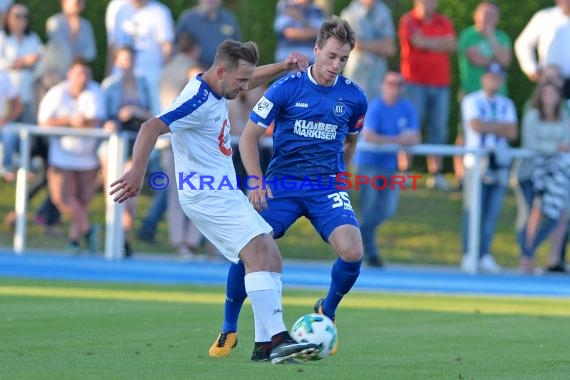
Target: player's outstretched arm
263 74
130 184
250 157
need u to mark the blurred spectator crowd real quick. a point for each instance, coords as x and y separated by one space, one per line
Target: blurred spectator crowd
150 58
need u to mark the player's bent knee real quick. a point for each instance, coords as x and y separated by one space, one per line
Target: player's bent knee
347 243
255 255
351 255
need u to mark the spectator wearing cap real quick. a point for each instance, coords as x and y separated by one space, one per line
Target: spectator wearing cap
489 121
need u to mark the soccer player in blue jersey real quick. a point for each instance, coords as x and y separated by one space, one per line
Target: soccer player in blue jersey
317 116
200 134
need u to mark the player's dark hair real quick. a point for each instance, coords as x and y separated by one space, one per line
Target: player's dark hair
231 52
338 28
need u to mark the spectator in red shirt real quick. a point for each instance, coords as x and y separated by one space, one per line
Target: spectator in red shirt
426 40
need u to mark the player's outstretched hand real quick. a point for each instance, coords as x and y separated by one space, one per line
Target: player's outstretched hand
258 197
128 186
296 61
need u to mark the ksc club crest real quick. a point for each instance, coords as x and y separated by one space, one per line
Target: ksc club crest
339 109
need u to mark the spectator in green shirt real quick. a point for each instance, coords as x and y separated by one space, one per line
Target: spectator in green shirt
481 44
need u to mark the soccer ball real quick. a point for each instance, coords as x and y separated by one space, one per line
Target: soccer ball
318 329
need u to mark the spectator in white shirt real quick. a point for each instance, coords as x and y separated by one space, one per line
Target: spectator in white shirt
559 55
537 36
77 102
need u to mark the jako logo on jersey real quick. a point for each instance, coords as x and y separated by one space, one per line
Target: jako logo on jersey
263 107
315 129
302 105
339 109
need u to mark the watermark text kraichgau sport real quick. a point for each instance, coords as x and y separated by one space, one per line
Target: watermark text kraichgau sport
341 181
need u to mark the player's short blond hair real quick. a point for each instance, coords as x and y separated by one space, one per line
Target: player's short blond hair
338 28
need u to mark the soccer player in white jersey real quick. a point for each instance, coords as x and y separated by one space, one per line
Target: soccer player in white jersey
198 122
317 115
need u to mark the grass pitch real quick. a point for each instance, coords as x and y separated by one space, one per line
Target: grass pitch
65 330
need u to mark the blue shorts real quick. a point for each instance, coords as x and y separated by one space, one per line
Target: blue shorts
326 209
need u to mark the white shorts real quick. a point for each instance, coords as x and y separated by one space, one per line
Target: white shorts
227 220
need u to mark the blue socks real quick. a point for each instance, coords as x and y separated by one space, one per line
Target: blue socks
235 296
343 275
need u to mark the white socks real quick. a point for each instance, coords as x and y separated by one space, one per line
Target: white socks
264 292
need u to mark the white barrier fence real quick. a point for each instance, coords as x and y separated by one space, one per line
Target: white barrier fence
114 236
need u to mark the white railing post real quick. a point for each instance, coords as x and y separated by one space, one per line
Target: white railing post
474 220
22 192
114 234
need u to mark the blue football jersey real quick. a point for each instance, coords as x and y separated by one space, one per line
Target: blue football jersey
311 123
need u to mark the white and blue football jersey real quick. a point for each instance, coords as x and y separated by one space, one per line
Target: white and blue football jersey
201 142
311 123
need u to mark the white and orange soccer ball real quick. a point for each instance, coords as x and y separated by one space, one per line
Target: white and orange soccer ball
318 329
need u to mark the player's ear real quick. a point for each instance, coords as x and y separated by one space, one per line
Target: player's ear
220 72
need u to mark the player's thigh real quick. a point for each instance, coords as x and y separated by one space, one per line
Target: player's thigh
281 212
227 220
329 209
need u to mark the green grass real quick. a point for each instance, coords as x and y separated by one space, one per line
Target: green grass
425 230
65 330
